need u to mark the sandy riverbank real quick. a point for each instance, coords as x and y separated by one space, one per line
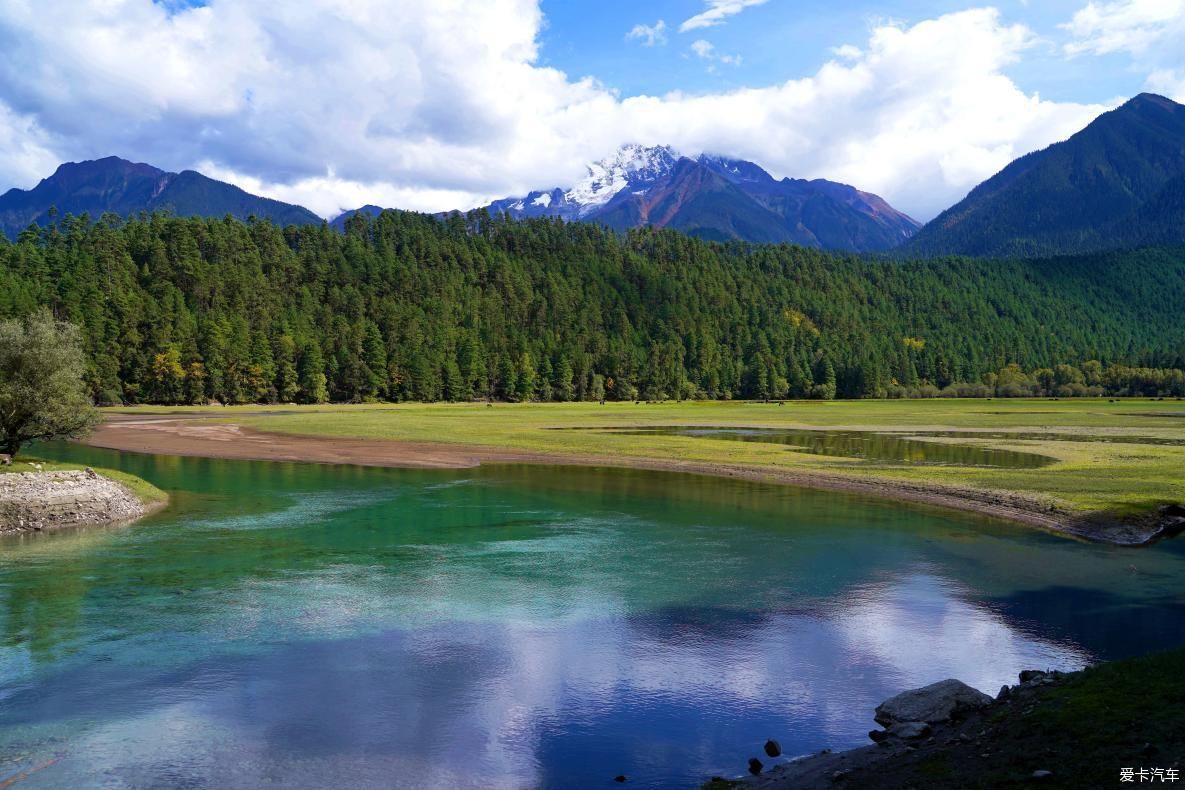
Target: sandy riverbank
189 436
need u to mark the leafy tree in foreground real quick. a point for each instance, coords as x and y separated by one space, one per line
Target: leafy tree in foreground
42 392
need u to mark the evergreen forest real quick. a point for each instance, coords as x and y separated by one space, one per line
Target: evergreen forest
408 306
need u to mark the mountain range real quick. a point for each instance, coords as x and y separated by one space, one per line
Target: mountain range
121 187
1120 182
715 198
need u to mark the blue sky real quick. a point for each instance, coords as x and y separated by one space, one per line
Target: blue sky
784 39
444 104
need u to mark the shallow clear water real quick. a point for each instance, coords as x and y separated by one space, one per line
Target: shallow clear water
313 626
871 446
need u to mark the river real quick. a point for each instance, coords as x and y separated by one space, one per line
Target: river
519 626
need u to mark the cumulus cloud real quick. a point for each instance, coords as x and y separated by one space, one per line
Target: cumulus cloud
716 12
446 105
925 113
649 35
1152 32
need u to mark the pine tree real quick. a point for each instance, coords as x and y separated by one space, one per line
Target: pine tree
565 386
311 373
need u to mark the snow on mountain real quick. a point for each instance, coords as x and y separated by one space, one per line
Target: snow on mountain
718 198
633 167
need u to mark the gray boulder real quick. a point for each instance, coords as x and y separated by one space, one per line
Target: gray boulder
933 704
909 730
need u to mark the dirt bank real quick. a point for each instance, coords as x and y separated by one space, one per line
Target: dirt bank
185 435
42 501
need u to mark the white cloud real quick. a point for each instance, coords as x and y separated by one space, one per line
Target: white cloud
336 104
649 35
716 12
1168 82
330 195
25 149
847 52
1151 32
923 115
1132 26
704 50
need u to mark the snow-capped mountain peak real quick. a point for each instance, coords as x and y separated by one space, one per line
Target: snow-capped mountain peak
633 166
716 197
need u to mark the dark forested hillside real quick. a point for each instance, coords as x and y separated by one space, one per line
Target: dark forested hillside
407 306
1117 183
120 187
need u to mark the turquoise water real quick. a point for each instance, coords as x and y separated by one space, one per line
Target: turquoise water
317 626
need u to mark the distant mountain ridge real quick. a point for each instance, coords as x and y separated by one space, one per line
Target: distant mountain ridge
719 198
715 198
1119 182
121 187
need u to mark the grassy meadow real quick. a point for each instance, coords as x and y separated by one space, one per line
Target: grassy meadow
1102 459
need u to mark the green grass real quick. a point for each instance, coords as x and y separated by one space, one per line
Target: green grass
1132 711
1124 478
1084 729
146 492
1121 714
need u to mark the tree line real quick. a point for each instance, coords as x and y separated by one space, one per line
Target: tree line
412 307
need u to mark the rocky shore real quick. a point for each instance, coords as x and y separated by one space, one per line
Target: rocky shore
939 713
1078 729
41 501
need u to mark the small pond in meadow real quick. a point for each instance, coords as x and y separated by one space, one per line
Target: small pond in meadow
870 446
